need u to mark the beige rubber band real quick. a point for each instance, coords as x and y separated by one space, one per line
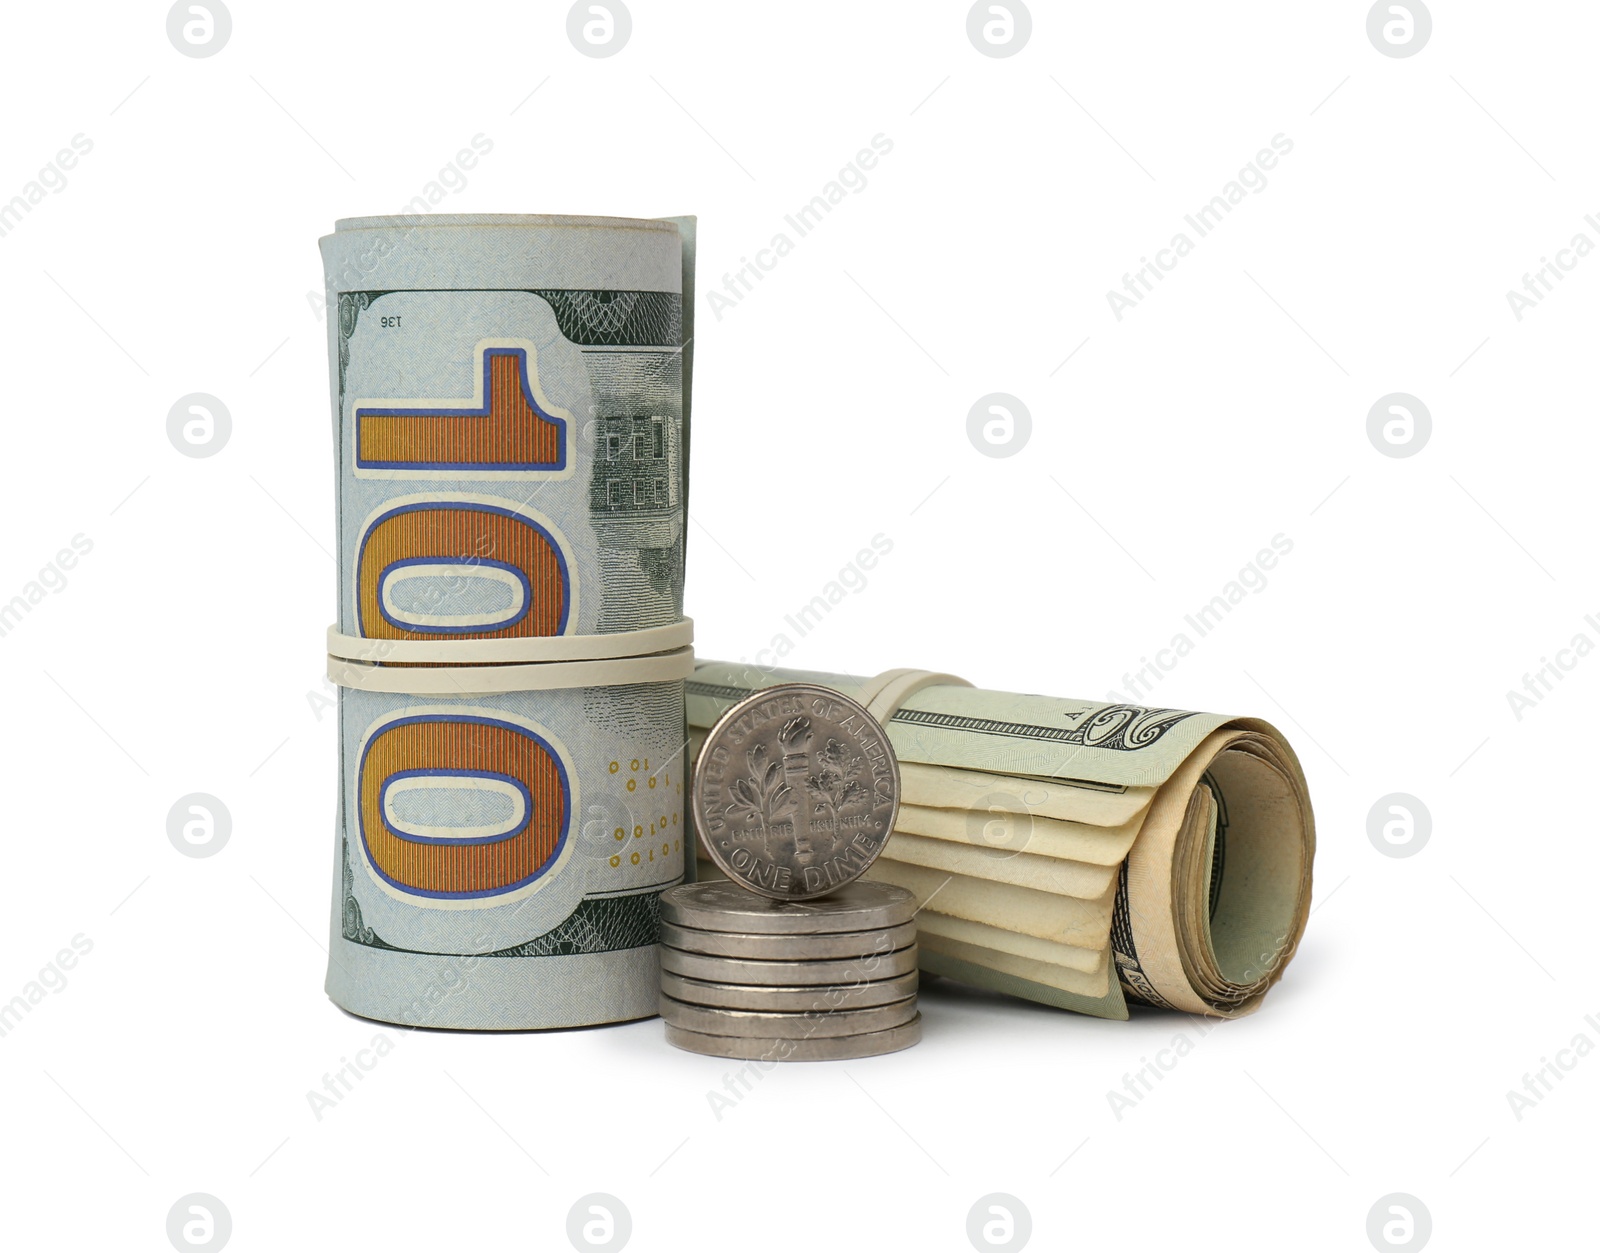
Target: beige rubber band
476 680
891 689
524 649
871 687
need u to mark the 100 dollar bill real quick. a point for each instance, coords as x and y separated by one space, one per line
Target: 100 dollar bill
510 425
499 854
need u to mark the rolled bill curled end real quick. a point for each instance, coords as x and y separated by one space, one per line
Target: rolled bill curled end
510 415
1078 853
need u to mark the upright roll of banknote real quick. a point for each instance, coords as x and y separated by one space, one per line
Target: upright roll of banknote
510 413
510 432
1079 853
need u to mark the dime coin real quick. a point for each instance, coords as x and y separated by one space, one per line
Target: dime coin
822 997
788 947
814 1050
762 1025
788 974
722 905
795 791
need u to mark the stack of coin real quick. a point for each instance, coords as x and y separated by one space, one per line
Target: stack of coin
794 958
824 979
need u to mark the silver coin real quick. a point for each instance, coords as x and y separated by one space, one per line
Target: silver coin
824 1024
789 974
722 905
823 996
828 945
795 791
814 1050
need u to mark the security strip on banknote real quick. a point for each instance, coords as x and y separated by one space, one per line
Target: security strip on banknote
510 400
1079 853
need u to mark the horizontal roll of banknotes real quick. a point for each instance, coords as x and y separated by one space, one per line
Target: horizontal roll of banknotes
1079 853
510 416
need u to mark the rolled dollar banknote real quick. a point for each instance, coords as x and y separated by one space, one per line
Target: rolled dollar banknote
1080 853
510 415
503 835
511 430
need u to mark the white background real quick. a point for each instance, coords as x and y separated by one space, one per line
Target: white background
185 651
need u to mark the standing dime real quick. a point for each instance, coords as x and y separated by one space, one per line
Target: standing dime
721 905
760 1025
814 1050
861 995
796 791
792 974
823 947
